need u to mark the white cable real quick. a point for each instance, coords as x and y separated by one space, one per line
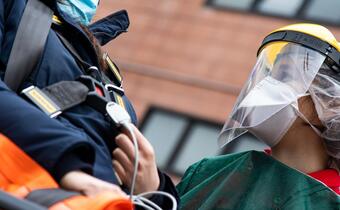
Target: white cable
174 202
128 127
140 199
121 118
147 201
139 203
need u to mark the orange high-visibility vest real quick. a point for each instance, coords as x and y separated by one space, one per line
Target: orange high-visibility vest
20 175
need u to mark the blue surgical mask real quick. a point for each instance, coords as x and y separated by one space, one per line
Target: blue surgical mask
81 11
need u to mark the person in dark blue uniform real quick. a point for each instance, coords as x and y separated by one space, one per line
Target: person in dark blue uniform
79 147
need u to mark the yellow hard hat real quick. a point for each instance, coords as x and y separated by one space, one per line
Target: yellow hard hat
309 35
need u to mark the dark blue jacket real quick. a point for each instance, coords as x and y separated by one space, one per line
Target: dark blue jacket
80 138
57 64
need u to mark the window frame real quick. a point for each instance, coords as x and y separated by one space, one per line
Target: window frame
191 122
298 17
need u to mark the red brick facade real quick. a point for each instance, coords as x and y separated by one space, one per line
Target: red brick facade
185 56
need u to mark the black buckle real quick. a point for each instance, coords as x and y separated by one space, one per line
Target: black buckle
95 100
114 88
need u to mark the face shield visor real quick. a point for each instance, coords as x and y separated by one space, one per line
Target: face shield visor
325 92
283 73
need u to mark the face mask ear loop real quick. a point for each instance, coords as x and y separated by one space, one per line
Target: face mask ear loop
306 120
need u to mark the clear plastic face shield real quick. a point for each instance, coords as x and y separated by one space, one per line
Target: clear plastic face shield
325 92
266 106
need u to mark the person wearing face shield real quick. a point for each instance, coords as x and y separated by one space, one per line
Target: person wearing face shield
79 147
291 102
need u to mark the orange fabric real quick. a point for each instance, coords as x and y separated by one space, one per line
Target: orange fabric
21 174
103 201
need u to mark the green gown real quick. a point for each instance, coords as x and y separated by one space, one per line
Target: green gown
252 181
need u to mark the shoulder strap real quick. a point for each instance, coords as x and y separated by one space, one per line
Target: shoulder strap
29 43
83 64
49 197
8 201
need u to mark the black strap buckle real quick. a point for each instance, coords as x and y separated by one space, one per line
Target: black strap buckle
97 96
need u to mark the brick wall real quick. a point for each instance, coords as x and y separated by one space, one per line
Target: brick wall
185 56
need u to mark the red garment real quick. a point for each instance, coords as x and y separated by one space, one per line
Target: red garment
329 177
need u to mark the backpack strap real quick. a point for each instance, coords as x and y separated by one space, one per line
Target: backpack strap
29 43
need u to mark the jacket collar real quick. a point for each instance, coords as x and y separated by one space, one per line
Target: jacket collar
105 29
108 28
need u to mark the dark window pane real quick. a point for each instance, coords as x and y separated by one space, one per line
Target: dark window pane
201 143
234 4
164 130
286 8
324 10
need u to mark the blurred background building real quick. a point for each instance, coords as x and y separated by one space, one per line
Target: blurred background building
185 61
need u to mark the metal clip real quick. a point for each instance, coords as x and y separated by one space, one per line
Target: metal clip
111 87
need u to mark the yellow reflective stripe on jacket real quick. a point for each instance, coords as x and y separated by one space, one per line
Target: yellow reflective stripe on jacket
119 100
113 68
56 20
